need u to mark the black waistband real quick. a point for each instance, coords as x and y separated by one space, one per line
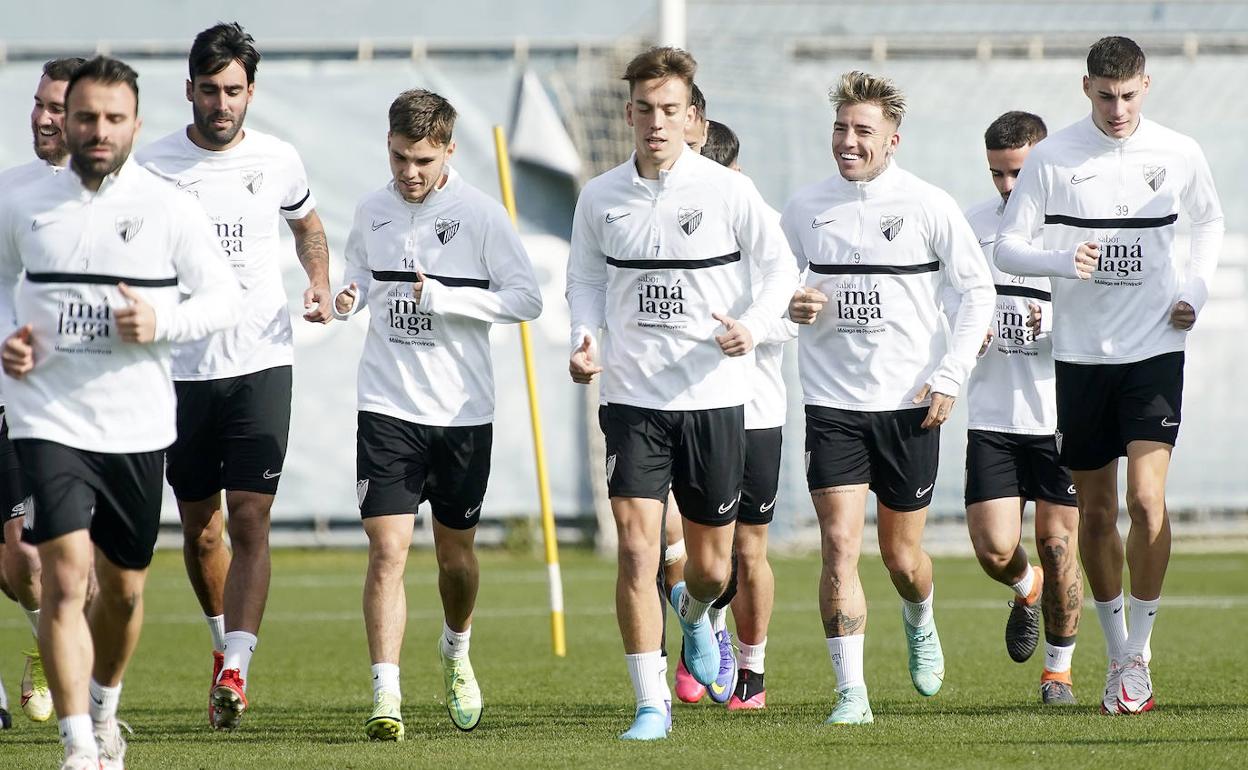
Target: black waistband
445 280
674 264
97 278
1023 291
927 267
1137 223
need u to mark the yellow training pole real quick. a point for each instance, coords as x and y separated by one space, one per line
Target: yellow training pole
557 636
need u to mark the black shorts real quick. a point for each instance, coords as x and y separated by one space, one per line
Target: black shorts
232 434
760 484
1103 407
887 450
115 496
698 454
400 464
1015 465
13 489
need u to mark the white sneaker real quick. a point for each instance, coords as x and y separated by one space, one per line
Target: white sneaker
111 745
1135 690
80 760
1109 701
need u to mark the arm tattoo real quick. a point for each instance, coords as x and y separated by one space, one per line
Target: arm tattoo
841 624
313 251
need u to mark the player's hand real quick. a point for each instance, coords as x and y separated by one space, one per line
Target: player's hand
1034 317
983 349
346 299
806 304
316 304
581 366
418 287
1182 316
1086 259
18 354
939 411
136 322
736 339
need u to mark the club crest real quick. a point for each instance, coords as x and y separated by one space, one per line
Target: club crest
361 491
890 226
610 467
689 219
1155 176
253 180
128 227
445 229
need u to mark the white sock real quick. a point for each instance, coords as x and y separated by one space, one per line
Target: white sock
719 621
1057 659
386 677
77 735
751 655
667 692
4 698
33 617
1114 626
216 627
104 700
648 684
1141 622
1022 588
239 647
692 609
918 613
846 654
455 643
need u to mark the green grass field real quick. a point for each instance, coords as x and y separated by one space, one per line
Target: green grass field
310 685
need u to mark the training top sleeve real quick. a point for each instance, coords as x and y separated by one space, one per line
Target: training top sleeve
513 295
955 245
760 234
587 275
10 269
356 271
297 202
1200 199
215 297
1021 224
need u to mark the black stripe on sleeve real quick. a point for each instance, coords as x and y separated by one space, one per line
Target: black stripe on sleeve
926 267
1135 223
97 278
302 201
445 280
674 264
1023 291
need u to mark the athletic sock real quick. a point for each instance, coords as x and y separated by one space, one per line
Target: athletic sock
1057 658
455 643
1023 587
648 684
77 735
1141 622
386 678
239 647
216 627
1114 626
719 621
918 613
846 654
33 617
104 701
4 698
692 609
751 655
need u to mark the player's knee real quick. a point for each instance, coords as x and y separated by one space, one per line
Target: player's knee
992 558
709 578
1098 520
840 547
901 560
120 602
1146 506
456 561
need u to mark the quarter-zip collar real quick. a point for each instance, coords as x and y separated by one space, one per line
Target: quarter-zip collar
871 188
668 177
121 176
1101 139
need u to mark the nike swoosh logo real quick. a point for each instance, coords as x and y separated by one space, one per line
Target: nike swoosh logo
815 224
718 688
184 185
728 505
988 242
378 225
98 702
768 506
1070 490
1154 612
35 224
1165 423
468 514
1076 179
271 475
1117 609
924 490
613 218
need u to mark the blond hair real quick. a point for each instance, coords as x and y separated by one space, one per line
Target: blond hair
862 88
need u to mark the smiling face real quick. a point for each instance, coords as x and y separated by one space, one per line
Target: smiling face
1116 103
100 127
47 121
219 106
418 166
658 112
863 140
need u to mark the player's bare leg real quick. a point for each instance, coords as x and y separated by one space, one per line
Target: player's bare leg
385 617
65 637
639 612
751 609
910 568
842 603
1102 554
459 577
1057 539
996 534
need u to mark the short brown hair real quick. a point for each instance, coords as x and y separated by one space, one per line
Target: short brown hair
861 88
1013 130
1115 58
419 114
661 63
62 69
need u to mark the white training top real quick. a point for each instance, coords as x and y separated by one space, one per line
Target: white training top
1013 388
885 252
650 264
770 405
428 362
16 178
247 190
1125 194
89 389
